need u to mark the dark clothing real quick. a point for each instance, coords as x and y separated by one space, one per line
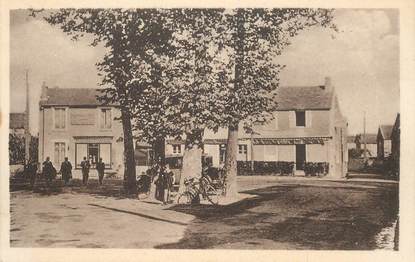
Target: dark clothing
144 183
31 172
85 171
49 171
164 184
66 171
100 169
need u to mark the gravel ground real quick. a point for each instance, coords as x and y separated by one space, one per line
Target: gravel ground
286 213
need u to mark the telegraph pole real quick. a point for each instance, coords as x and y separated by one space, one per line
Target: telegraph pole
364 137
27 130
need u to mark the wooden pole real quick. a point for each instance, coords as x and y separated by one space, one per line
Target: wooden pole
27 126
364 137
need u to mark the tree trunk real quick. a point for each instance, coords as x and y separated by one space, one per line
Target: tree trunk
231 161
192 157
130 183
232 142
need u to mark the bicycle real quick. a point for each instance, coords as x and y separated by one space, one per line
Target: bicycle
195 188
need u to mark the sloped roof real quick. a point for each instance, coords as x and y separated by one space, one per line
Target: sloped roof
288 98
370 139
17 120
71 97
386 131
305 97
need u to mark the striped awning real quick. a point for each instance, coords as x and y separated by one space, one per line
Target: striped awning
290 141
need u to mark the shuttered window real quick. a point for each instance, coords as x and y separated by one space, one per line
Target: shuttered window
105 118
60 118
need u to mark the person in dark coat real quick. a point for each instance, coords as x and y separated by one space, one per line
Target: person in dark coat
85 171
161 182
100 170
32 172
66 171
49 171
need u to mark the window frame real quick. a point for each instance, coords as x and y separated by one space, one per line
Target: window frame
176 149
242 149
303 112
58 108
102 124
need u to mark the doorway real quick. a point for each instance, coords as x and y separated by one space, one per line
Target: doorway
300 156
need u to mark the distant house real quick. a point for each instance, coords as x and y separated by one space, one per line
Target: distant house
17 123
396 140
308 127
384 144
351 144
371 143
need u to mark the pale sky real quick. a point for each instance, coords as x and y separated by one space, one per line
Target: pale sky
362 59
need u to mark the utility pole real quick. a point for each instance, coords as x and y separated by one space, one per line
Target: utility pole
27 130
364 137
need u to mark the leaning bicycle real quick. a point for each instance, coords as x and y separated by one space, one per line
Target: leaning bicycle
194 188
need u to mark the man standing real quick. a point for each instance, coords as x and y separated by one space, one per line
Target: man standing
85 171
66 171
48 171
100 170
32 172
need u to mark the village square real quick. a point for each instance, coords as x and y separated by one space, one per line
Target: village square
204 129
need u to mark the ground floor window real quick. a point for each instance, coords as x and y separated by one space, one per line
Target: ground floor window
93 152
59 153
243 152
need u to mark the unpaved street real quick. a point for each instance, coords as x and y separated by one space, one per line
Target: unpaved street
286 213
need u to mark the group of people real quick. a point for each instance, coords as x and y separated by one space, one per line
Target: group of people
162 178
49 171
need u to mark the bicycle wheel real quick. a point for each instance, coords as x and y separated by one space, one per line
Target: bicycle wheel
185 198
212 194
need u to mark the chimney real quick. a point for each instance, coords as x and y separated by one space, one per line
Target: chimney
44 94
327 84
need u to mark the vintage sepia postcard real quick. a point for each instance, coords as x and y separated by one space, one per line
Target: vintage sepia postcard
177 130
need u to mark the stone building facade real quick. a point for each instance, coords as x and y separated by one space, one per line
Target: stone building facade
74 124
308 127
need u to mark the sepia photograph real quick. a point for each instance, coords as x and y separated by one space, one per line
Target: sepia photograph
204 128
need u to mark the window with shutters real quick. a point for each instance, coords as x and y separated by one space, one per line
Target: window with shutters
300 118
60 118
105 118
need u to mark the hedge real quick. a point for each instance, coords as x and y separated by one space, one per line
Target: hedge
266 167
316 168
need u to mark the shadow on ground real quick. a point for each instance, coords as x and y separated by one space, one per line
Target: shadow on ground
110 188
294 217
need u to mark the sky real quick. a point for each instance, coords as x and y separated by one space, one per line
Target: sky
362 60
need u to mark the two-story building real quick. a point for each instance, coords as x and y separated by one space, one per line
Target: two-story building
308 127
74 124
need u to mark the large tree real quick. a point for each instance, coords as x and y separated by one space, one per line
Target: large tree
131 38
258 36
187 99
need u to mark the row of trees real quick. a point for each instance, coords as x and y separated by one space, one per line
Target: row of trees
176 72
